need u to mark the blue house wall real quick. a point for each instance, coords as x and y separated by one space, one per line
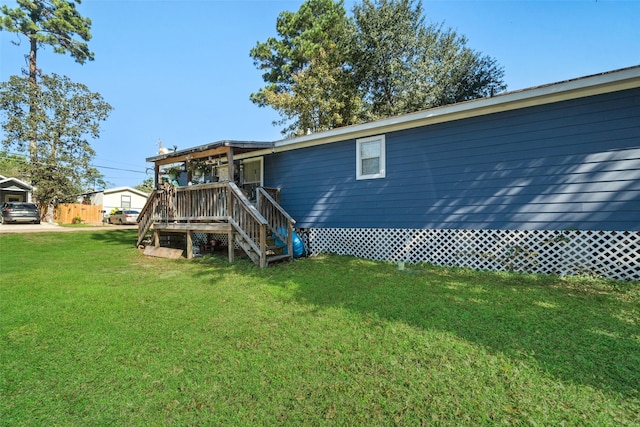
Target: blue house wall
566 165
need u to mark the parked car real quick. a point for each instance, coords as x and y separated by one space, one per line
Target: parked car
124 217
20 212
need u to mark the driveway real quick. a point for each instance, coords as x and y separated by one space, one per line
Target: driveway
49 227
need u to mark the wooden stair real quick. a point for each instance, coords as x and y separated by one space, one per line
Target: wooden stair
273 252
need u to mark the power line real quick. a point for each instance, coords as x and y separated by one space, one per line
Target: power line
24 160
100 159
119 169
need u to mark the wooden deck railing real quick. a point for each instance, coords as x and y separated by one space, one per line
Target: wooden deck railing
209 202
148 214
280 222
204 202
273 192
249 223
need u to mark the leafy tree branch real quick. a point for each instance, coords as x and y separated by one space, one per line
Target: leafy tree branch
325 69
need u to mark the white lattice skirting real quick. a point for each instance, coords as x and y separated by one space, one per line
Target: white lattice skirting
610 254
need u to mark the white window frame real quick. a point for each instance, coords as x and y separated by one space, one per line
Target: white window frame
382 172
123 197
260 180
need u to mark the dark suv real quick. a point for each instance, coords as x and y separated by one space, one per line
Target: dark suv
20 212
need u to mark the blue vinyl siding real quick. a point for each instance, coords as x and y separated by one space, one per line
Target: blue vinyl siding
572 164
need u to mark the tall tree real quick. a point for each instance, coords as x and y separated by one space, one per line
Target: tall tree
388 55
146 185
307 81
13 165
56 23
403 65
319 99
66 114
326 70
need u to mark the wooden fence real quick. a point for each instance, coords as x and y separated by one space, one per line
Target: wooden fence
66 213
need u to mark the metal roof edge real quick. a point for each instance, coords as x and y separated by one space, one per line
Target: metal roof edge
222 143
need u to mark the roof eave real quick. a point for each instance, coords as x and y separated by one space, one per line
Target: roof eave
257 145
26 186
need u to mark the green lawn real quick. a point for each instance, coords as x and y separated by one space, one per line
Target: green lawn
94 333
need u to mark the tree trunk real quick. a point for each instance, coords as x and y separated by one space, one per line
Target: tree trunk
33 83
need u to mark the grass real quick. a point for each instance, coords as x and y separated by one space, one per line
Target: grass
79 225
94 333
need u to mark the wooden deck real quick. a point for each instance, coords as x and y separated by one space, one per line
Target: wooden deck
219 208
188 229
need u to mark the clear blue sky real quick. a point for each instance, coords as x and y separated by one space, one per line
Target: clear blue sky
180 71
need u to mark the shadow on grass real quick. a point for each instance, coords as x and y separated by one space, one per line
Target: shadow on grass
116 237
580 332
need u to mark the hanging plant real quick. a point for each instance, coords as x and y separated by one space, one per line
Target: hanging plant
197 168
174 171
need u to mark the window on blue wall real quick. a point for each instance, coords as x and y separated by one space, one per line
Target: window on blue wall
370 158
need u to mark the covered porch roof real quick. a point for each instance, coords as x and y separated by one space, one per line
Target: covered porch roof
224 150
212 149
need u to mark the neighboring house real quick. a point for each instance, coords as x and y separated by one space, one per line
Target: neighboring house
112 198
544 180
14 190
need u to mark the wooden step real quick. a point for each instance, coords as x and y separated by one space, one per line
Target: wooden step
276 258
274 249
248 250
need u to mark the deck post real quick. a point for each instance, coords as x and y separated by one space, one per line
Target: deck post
231 245
156 175
263 245
290 239
230 164
156 238
189 244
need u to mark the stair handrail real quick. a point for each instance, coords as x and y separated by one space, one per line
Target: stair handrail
159 206
274 192
278 219
248 222
146 216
